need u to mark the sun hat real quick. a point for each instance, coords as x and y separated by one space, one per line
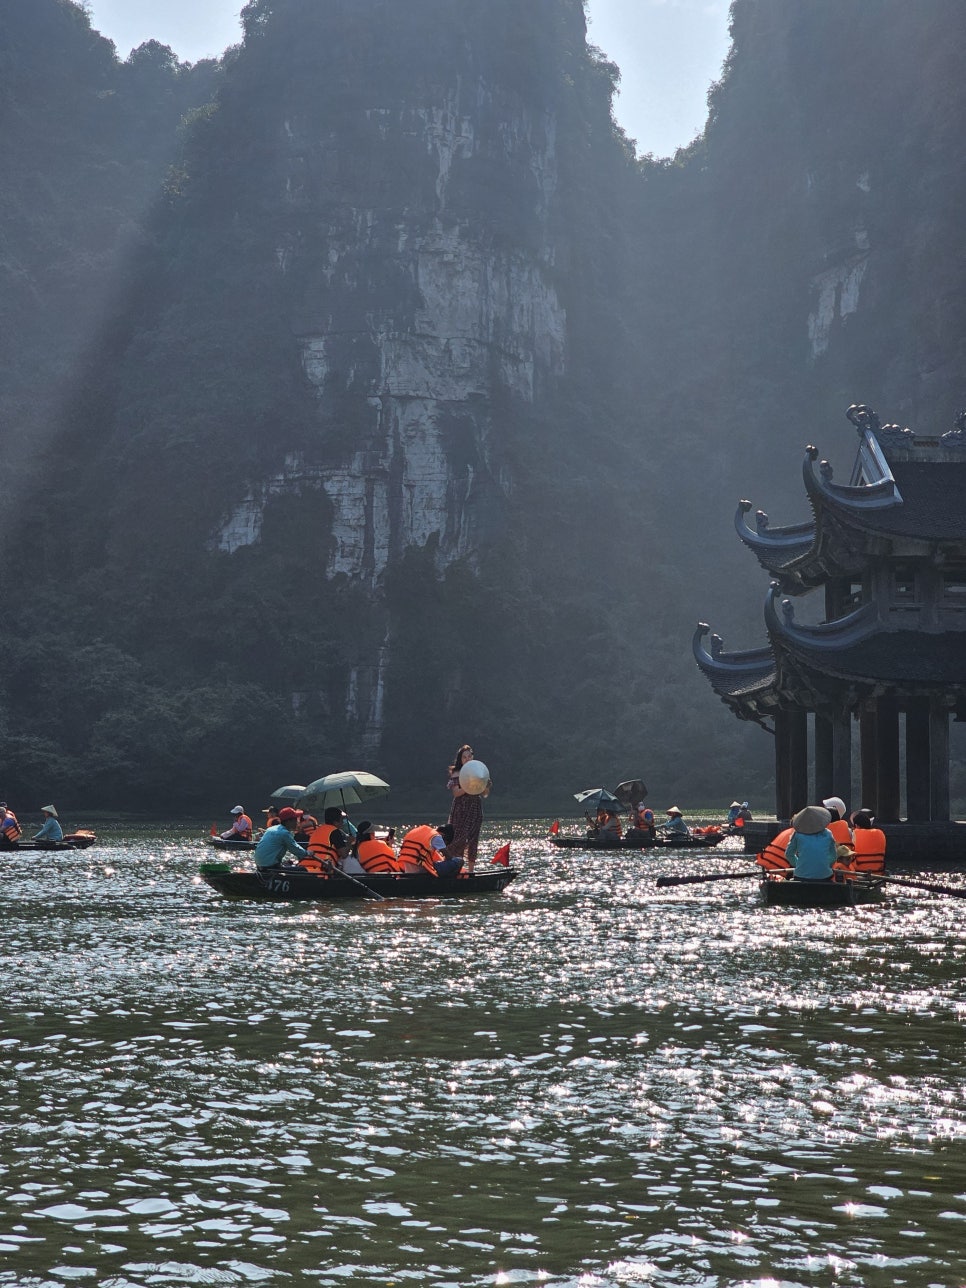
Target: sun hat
285 813
837 804
673 810
735 805
49 809
811 820
239 809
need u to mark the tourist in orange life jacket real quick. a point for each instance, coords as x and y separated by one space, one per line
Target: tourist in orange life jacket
772 857
839 826
417 852
869 842
305 827
328 844
445 862
643 820
608 825
10 829
241 828
374 854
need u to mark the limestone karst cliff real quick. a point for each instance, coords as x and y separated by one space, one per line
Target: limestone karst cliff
416 408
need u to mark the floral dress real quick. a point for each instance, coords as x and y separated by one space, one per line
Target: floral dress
465 818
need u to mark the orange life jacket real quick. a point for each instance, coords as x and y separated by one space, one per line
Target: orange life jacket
870 847
320 843
314 865
10 829
416 852
242 828
772 858
377 856
841 831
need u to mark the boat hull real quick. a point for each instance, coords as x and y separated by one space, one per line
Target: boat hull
291 884
81 841
700 842
820 894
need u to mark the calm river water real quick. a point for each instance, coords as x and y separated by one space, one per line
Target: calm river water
583 1081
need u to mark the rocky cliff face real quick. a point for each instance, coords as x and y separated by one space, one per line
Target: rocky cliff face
453 320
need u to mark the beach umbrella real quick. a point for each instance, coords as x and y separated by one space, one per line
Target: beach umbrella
594 797
290 793
349 787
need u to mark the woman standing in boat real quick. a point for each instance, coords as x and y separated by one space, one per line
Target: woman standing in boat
466 812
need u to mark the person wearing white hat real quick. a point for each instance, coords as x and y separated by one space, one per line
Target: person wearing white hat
675 825
839 826
51 830
241 828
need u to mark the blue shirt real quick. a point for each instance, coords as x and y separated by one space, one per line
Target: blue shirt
811 856
273 845
675 824
51 831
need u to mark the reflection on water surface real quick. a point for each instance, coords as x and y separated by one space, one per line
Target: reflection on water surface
583 1081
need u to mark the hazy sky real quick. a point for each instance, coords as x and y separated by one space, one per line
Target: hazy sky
669 51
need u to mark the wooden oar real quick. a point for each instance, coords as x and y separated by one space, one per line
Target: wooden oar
368 889
921 885
708 876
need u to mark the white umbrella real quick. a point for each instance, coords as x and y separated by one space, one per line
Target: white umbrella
290 793
350 787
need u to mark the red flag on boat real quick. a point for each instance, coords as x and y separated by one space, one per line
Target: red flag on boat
555 827
214 829
502 855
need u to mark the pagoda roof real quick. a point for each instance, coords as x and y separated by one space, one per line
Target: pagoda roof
921 499
745 681
861 649
901 489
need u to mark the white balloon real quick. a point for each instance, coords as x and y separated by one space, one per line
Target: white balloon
474 778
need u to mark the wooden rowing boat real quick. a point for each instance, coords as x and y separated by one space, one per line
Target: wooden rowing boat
792 893
219 843
695 841
73 841
292 883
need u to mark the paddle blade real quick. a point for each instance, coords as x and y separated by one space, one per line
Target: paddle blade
502 855
555 827
214 829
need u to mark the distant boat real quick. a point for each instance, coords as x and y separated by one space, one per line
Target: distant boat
72 841
638 841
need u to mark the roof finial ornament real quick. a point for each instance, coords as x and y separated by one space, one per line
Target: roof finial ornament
826 468
788 612
761 521
960 421
717 644
863 418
